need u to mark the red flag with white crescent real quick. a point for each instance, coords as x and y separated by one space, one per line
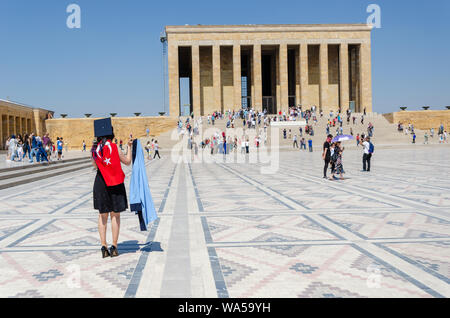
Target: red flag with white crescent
108 162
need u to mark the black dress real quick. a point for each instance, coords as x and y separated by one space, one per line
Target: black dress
109 199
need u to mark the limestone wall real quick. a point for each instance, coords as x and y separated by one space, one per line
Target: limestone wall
75 130
425 119
18 119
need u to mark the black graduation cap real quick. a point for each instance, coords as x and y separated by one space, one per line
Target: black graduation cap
103 127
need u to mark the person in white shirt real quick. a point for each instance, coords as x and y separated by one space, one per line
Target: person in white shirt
12 148
295 142
367 154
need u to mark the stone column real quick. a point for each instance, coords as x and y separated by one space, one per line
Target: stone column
365 61
237 85
216 78
304 76
196 81
344 89
14 128
284 89
8 133
323 66
257 78
297 76
277 81
174 82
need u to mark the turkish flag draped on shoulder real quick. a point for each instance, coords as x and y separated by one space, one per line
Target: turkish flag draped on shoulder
108 162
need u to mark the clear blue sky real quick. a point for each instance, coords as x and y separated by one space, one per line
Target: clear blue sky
113 63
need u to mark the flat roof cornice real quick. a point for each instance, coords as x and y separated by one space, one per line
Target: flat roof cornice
267 28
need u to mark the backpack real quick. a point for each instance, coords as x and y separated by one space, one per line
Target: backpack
371 148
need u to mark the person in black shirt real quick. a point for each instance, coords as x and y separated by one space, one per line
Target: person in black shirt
326 155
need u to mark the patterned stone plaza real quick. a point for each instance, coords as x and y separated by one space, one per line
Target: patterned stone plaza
226 230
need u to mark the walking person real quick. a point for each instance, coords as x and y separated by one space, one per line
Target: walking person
326 155
110 198
338 167
156 150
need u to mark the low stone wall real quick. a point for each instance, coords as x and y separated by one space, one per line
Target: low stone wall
422 119
75 130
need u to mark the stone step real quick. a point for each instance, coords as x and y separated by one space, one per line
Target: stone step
37 168
25 179
25 165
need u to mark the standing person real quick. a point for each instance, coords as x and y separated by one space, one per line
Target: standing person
26 147
20 148
310 145
295 142
414 138
426 138
59 147
12 148
34 148
156 150
147 148
110 198
84 145
326 155
247 145
303 144
368 151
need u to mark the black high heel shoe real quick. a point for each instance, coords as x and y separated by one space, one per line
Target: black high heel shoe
105 252
114 252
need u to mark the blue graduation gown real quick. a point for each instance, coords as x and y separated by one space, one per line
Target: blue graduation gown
141 200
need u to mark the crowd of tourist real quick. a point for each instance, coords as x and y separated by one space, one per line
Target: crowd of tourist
42 149
409 130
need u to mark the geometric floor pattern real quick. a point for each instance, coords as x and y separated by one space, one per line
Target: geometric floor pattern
228 230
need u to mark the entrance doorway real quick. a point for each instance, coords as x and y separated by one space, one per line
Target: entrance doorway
269 56
269 105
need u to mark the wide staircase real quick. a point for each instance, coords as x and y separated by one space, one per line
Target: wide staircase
24 173
385 134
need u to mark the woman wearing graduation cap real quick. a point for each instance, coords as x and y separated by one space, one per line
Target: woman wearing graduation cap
110 197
